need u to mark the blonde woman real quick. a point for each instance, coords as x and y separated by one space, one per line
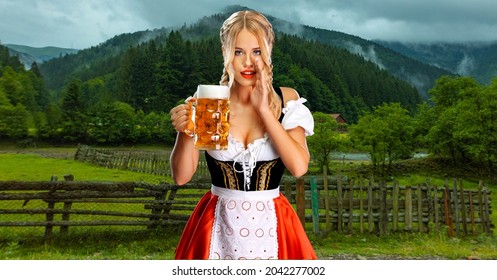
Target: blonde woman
244 216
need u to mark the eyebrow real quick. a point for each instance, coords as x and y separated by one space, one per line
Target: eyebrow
258 48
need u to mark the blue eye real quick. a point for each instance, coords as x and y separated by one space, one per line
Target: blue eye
238 52
257 52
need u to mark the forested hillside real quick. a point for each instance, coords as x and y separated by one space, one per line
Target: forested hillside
153 75
122 90
420 74
22 96
476 59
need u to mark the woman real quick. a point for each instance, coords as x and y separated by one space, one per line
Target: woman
244 216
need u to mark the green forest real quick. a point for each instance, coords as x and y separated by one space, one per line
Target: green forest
120 93
112 94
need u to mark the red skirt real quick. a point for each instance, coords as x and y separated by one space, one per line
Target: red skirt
293 242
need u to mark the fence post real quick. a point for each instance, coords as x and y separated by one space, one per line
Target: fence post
49 215
315 205
326 198
419 196
436 208
428 195
361 205
383 220
370 206
486 216
395 206
67 207
351 205
463 208
448 214
472 215
456 205
408 208
339 205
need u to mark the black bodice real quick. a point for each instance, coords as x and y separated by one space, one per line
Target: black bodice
265 176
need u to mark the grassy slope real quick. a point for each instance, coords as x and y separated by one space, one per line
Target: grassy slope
33 167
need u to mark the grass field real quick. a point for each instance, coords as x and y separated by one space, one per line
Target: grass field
36 167
112 243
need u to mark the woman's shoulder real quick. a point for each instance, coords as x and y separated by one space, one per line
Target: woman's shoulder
289 94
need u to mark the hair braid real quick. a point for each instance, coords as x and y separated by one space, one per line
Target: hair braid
258 25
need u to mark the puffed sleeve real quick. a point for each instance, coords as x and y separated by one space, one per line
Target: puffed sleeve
297 114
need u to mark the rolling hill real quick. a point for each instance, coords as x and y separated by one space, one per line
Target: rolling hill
27 55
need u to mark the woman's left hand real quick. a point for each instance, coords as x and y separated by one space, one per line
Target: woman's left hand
260 92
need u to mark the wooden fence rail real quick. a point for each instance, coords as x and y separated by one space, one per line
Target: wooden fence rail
329 204
71 203
136 161
351 205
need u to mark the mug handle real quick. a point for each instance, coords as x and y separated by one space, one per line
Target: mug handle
190 128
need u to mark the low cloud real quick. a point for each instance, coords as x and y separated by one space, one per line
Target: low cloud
466 66
369 54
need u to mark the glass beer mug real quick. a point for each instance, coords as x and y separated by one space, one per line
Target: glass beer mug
209 124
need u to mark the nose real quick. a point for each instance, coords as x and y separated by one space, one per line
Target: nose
248 61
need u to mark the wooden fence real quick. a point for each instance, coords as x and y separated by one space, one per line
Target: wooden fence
347 206
328 204
66 204
136 161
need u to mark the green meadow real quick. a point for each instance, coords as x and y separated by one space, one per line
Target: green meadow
115 243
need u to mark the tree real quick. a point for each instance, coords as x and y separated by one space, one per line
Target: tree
325 139
13 121
51 125
73 112
3 98
386 134
447 93
154 128
423 121
475 125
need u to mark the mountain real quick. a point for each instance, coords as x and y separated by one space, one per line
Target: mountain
152 69
27 55
476 59
421 75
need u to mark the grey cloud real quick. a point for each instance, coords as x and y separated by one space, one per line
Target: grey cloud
90 22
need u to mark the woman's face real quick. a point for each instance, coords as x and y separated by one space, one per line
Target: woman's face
247 49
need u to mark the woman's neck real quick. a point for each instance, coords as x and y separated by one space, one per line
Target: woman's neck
241 94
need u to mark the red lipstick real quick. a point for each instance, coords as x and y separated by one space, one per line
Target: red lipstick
248 74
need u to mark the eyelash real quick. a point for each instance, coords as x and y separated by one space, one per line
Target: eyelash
239 52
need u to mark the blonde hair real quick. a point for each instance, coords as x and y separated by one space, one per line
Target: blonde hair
259 25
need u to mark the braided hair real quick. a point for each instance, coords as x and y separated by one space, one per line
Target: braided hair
259 25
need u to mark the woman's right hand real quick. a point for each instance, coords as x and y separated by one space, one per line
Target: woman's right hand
184 158
181 117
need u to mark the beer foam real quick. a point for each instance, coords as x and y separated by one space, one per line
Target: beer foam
213 91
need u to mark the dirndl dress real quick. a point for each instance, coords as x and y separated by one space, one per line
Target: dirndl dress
244 215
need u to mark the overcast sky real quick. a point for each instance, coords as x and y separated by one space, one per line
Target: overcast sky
85 23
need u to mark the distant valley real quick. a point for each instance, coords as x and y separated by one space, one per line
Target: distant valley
27 55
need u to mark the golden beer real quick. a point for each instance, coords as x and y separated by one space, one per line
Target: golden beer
212 117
